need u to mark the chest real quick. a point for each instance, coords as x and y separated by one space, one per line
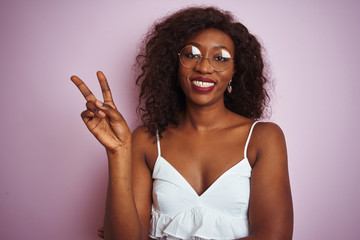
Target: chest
201 160
229 193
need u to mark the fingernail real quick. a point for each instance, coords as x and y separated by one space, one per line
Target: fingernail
98 103
91 114
101 113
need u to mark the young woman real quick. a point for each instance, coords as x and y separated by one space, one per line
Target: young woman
201 166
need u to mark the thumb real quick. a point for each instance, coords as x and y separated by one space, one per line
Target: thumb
116 120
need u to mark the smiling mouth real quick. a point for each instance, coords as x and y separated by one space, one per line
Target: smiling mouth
203 84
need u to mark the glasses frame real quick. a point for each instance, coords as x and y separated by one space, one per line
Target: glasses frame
201 58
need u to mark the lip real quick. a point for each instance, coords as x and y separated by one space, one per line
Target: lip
202 89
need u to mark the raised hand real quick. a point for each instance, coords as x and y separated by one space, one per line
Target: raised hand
102 118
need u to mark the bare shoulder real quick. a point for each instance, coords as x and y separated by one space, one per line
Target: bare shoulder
268 143
140 134
268 132
144 145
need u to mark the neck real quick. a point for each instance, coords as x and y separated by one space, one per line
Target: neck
202 118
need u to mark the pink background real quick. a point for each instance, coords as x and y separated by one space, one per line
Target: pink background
53 173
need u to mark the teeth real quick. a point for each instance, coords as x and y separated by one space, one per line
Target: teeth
203 84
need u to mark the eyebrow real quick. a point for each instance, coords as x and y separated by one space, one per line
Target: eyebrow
216 47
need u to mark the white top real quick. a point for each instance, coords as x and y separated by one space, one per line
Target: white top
221 212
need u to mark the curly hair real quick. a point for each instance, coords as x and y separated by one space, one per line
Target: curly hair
161 99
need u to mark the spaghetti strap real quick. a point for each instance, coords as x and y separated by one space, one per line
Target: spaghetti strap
248 138
158 143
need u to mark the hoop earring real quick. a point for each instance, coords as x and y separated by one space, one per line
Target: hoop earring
229 87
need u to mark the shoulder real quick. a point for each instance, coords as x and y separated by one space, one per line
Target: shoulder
268 131
140 134
144 145
267 142
261 130
142 138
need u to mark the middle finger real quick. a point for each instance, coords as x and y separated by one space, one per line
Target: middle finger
105 88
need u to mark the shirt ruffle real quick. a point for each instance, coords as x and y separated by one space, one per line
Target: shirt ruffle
197 223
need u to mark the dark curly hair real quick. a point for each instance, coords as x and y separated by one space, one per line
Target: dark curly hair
161 99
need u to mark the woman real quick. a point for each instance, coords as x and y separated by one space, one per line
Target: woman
200 167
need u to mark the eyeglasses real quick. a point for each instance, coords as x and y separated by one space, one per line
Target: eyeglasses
220 59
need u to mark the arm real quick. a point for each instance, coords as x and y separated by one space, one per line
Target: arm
106 123
142 179
141 182
270 207
121 218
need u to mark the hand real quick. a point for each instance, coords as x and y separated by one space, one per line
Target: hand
103 119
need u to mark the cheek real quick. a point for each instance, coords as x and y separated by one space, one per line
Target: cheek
226 76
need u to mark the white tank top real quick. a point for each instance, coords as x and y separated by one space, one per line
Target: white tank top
221 212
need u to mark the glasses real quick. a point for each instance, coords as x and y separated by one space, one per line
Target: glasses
220 59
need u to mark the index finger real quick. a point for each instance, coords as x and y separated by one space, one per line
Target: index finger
105 88
88 95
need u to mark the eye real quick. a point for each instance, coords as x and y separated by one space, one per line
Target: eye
221 56
191 53
220 59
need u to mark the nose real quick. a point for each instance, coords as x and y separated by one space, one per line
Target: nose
204 65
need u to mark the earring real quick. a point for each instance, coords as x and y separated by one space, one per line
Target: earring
229 87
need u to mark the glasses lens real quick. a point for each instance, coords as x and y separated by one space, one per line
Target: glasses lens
190 56
221 60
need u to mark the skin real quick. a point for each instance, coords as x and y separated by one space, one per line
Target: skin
201 159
